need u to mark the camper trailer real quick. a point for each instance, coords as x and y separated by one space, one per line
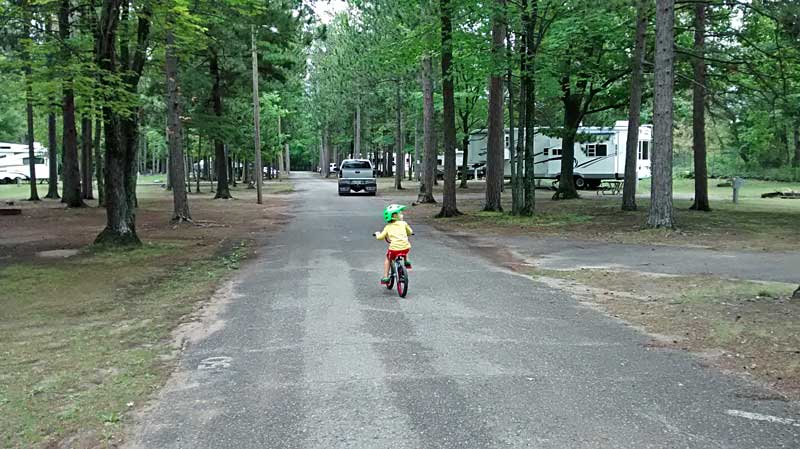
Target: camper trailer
15 162
599 153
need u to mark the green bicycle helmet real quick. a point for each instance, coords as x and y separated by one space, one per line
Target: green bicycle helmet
391 209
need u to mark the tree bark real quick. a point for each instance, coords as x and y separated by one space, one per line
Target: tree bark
400 154
357 133
87 183
428 131
121 131
324 164
52 153
517 150
449 207
180 203
496 139
29 101
465 153
634 111
529 80
572 118
661 207
223 191
98 164
796 162
71 188
417 142
699 110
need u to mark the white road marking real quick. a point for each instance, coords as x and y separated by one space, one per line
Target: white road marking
215 363
760 417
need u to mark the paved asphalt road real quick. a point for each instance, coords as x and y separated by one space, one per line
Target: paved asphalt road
314 354
567 254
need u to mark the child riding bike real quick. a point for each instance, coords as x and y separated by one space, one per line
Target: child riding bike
395 232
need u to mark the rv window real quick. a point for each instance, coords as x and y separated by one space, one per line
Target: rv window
602 150
546 151
27 160
506 141
556 152
644 150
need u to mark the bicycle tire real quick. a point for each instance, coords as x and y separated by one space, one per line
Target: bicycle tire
402 280
392 275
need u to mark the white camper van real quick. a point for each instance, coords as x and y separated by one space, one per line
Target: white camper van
599 153
15 162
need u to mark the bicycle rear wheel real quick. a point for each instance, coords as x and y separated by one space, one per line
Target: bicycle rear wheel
392 275
402 280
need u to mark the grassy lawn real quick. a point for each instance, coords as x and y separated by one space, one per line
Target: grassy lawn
85 341
747 327
754 223
752 189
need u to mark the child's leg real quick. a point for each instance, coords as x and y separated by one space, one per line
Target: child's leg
385 267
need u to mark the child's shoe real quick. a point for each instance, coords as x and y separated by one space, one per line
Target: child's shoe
384 281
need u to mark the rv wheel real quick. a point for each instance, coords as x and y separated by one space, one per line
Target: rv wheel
580 183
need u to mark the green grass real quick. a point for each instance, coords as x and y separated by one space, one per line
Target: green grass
752 189
543 219
84 339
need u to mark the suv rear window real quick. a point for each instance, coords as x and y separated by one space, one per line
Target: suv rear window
358 165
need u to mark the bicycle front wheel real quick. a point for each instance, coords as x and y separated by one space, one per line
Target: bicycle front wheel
402 280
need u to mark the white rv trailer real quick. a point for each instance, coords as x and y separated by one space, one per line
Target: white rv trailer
599 153
15 163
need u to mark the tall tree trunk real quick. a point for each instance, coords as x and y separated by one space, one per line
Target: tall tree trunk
417 144
699 110
516 150
121 132
324 164
180 203
661 209
357 133
87 183
496 140
529 80
52 153
572 118
223 191
71 188
29 102
634 111
449 207
465 155
796 162
400 154
98 163
429 134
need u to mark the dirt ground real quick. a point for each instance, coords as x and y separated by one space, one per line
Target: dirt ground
49 226
88 333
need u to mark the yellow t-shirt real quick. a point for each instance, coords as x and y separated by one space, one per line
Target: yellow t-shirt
397 232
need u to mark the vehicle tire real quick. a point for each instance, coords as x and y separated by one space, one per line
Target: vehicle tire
580 183
593 183
373 193
402 281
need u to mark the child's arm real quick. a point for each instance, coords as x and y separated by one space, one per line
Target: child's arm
409 231
381 235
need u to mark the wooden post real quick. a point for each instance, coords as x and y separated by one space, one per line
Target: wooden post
256 117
